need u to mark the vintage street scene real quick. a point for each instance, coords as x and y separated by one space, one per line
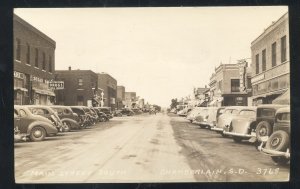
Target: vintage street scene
123 95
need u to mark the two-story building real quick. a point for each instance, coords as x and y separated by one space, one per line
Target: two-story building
34 64
271 62
120 97
230 85
109 86
80 88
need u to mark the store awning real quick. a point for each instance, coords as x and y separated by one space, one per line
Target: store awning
283 98
44 92
20 88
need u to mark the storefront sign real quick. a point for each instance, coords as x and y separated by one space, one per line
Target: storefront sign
56 85
34 78
19 75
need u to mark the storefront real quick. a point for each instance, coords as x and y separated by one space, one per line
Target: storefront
20 92
41 94
265 92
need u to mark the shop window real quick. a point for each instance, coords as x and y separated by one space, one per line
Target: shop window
235 85
28 54
18 50
44 61
274 54
50 64
264 64
283 49
80 81
36 58
257 64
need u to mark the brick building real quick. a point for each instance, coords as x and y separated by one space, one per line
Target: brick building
34 64
271 62
80 88
230 85
109 86
130 99
120 97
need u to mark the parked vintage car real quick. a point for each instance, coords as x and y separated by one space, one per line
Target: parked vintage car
48 113
241 126
184 111
126 111
118 113
84 117
31 126
93 114
17 133
107 111
265 119
102 117
193 113
201 118
207 118
225 119
137 111
278 144
69 119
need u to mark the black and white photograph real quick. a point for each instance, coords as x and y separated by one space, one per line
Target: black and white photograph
151 95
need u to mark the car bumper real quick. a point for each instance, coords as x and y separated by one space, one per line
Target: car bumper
237 134
270 152
218 129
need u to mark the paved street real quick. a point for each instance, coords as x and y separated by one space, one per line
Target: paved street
145 148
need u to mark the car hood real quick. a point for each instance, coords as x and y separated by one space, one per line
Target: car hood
241 124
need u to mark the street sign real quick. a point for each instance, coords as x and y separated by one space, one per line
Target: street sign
56 85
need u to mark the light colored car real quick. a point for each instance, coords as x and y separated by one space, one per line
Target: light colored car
211 116
193 113
241 125
201 118
278 144
225 119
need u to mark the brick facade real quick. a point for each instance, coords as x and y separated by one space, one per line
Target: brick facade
109 86
34 64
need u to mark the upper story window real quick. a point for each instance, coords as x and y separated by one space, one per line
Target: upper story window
264 64
50 64
44 61
28 54
274 54
80 81
36 64
18 50
283 49
257 64
235 85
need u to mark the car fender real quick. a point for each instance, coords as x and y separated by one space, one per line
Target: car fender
50 128
71 121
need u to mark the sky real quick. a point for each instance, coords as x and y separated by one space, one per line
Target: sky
159 53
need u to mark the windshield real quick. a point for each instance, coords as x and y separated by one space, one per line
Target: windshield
248 113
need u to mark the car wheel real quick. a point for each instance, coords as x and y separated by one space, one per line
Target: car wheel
263 129
191 121
102 119
37 133
280 160
202 126
66 126
237 139
278 141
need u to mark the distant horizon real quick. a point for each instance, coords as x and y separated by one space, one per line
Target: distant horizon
159 53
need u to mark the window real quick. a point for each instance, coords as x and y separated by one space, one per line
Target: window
80 81
257 64
235 85
266 112
264 60
36 58
248 113
28 54
50 64
284 117
274 54
283 49
249 83
18 50
44 61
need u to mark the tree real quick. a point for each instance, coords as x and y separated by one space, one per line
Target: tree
174 103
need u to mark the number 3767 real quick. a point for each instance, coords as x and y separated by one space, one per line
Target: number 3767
267 171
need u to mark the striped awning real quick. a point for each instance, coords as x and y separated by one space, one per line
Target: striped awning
44 92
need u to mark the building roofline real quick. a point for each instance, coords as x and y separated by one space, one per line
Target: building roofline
267 30
34 29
